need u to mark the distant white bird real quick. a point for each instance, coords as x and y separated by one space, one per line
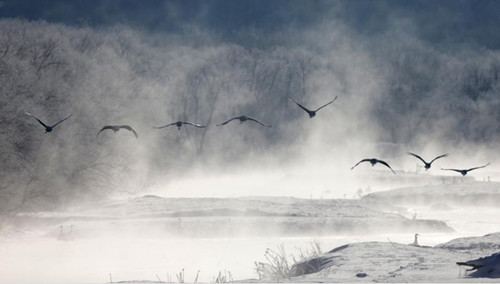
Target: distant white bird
464 172
427 165
180 123
415 242
374 161
242 119
115 128
312 113
48 128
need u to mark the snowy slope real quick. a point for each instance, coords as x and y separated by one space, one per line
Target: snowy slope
216 217
487 243
394 262
456 194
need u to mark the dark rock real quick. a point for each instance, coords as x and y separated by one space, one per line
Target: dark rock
338 248
485 267
309 266
361 275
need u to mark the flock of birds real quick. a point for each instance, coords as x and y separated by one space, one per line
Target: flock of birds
427 165
243 118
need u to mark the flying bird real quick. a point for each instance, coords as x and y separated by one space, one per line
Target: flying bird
180 123
427 165
48 128
242 119
374 161
115 128
312 113
464 172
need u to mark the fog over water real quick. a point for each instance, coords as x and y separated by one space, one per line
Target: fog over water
410 76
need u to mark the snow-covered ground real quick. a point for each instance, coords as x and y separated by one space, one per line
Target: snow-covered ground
443 196
151 238
394 262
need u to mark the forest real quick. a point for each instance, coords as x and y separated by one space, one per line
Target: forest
395 89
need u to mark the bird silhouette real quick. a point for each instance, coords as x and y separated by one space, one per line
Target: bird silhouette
242 119
48 128
180 123
374 161
427 165
312 113
464 172
115 128
415 242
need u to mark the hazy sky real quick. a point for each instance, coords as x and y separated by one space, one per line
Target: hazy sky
440 22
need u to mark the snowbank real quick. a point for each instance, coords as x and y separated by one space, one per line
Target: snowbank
456 194
489 242
231 217
394 262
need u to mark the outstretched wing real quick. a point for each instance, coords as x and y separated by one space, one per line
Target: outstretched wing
160 127
471 169
364 160
301 106
456 170
327 103
226 122
104 128
418 157
44 125
253 119
62 120
438 157
194 124
128 127
387 165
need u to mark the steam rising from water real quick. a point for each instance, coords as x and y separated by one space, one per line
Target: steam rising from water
398 91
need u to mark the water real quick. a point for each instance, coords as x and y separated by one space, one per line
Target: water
44 259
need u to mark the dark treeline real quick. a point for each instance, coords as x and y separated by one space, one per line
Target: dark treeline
393 89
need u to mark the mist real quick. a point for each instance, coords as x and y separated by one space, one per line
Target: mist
394 90
409 76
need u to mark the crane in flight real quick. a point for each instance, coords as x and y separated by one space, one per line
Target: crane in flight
48 128
464 172
242 119
427 165
374 161
312 113
180 123
115 128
